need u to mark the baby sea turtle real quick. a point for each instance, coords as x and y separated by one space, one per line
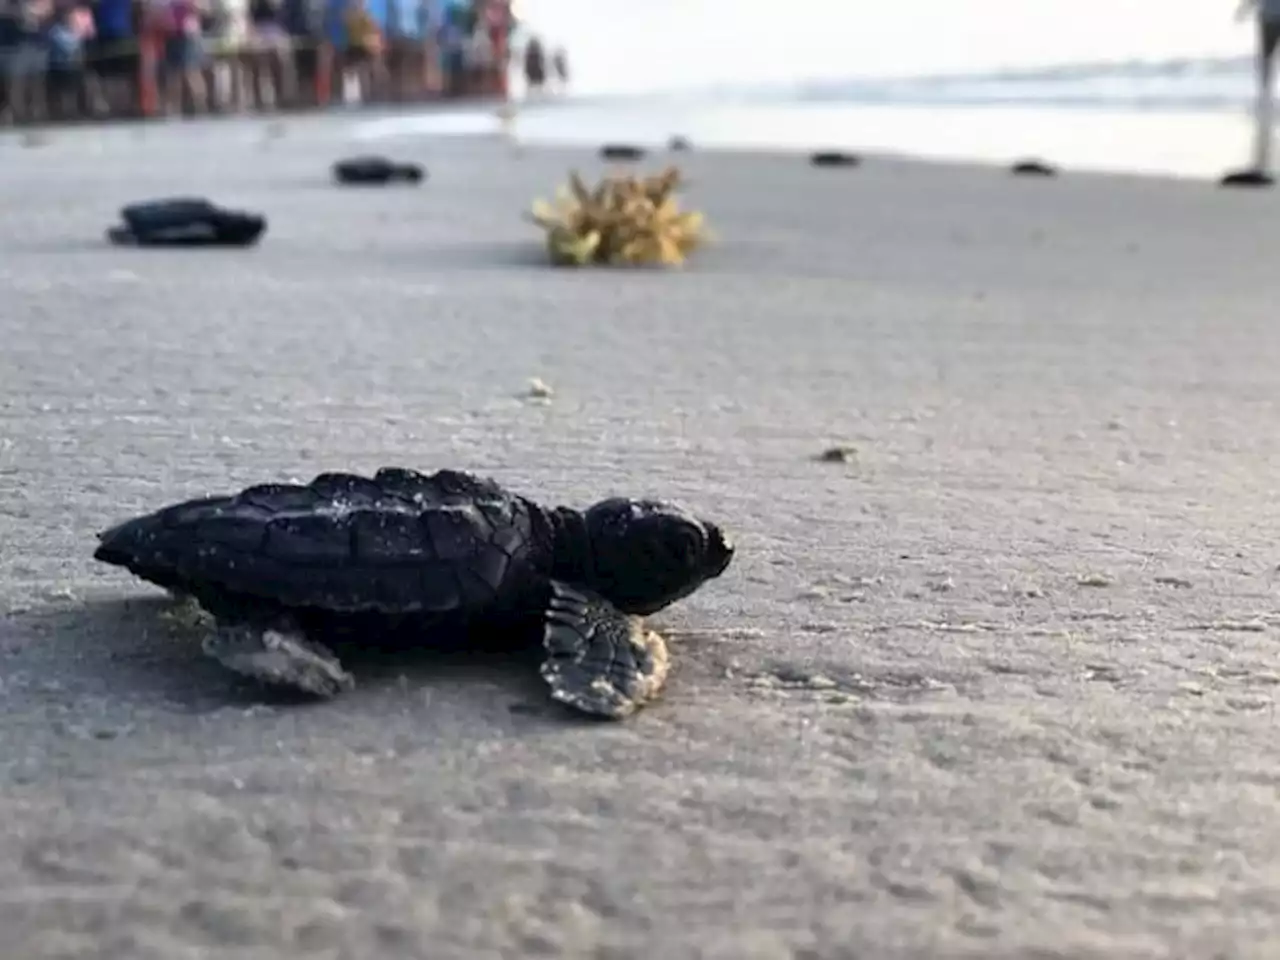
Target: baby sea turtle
622 151
834 158
376 170
1247 178
1032 167
186 222
412 557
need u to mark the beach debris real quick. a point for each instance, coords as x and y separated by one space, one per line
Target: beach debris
538 389
1094 580
376 170
419 556
1247 178
1033 168
679 144
841 453
623 220
622 151
1252 625
186 222
834 158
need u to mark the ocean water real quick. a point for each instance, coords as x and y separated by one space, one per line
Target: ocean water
1141 86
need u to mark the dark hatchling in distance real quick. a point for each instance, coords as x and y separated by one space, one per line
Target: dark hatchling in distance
289 570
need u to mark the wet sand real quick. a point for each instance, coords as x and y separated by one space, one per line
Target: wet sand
1002 686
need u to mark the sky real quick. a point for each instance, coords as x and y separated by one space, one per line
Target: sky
632 45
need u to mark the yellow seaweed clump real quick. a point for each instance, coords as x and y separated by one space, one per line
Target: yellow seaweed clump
623 221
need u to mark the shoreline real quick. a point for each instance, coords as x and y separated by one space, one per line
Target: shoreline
1113 141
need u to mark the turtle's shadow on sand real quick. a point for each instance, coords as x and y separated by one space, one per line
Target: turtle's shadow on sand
148 648
532 255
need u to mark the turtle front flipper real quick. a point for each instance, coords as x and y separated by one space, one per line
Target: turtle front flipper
599 660
278 657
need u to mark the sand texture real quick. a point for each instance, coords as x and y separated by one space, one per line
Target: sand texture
1001 686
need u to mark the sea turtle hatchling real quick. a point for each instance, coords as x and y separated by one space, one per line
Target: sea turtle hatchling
284 567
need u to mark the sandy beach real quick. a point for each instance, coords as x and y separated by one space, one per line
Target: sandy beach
1003 686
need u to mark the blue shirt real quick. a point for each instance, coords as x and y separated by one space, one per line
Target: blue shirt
113 19
404 17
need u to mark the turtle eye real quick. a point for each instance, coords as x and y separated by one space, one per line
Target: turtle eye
688 544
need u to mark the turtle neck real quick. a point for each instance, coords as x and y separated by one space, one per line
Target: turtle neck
571 557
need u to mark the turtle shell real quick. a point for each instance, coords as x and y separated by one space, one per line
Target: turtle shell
400 542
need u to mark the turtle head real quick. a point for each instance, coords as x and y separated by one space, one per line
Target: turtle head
647 554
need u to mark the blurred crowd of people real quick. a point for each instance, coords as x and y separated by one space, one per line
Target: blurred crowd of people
63 59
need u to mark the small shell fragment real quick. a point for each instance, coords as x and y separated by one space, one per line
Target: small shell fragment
539 390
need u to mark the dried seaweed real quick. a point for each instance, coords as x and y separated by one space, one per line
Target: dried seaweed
624 220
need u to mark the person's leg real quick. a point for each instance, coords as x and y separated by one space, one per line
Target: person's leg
71 80
55 93
19 107
129 64
328 80
395 72
455 68
210 72
196 89
28 79
410 69
348 68
359 73
39 81
286 72
241 78
1268 38
77 105
95 102
364 75
102 66
258 70
431 85
194 59
171 75
379 75
6 87
304 60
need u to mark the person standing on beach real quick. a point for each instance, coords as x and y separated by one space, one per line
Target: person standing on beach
275 81
26 61
1268 13
560 64
535 66
179 25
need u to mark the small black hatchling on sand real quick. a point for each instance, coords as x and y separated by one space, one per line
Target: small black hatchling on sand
289 570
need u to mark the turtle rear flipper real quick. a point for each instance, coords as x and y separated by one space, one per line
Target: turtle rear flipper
121 236
600 660
410 172
278 657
